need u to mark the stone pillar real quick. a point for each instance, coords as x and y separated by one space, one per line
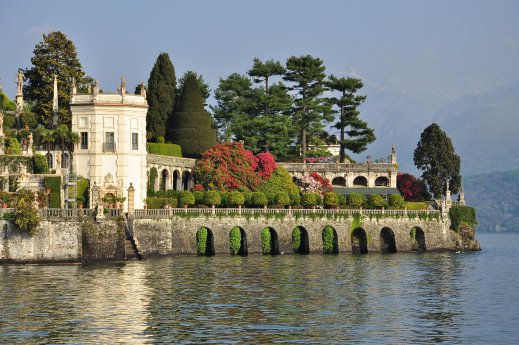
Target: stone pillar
131 200
94 191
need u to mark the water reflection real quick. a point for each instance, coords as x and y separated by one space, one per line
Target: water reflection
333 299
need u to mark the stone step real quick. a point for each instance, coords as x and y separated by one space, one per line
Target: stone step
129 250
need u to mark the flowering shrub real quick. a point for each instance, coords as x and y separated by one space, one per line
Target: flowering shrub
315 183
411 188
198 188
266 165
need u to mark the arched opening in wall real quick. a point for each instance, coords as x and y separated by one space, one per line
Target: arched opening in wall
359 241
50 161
164 176
176 177
417 240
300 243
186 176
204 242
330 241
238 241
269 241
339 181
387 241
64 160
360 181
382 181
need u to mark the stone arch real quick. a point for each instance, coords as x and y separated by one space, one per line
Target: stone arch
417 240
359 241
330 240
186 177
155 173
242 249
300 242
204 242
339 181
269 241
64 160
387 240
164 179
50 160
360 181
382 181
176 180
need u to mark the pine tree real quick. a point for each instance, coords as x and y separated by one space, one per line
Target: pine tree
54 55
359 134
310 109
191 125
161 96
435 156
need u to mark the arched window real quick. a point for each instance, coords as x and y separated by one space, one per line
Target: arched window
50 161
64 160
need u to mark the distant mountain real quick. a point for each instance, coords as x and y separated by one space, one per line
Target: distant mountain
496 199
484 128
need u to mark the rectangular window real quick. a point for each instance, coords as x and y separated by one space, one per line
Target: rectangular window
84 140
109 142
135 141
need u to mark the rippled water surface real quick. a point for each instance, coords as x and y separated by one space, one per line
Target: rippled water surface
399 298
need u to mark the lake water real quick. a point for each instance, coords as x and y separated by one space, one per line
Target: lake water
469 298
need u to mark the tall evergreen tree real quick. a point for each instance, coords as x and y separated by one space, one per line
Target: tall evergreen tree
54 55
204 87
191 125
310 109
262 71
359 134
161 96
435 156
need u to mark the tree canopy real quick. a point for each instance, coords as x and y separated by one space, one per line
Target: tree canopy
310 109
161 92
191 125
54 55
435 156
359 135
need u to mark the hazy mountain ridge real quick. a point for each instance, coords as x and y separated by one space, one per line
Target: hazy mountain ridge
496 199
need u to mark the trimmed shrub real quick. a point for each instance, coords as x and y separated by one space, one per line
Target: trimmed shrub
328 240
282 199
83 190
376 201
12 146
167 193
201 241
212 198
161 140
247 196
416 205
152 176
224 196
295 198
265 241
460 215
309 199
331 200
236 199
154 202
356 200
40 164
172 150
235 240
199 197
54 184
341 199
259 199
396 201
186 198
26 216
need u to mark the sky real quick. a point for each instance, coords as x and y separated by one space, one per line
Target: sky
458 47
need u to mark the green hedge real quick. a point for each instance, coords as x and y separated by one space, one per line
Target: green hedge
172 150
265 241
328 240
296 239
154 202
462 214
40 164
212 198
83 192
416 205
201 241
186 198
235 240
54 184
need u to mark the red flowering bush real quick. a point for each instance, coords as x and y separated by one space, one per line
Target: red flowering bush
227 167
266 165
198 188
411 188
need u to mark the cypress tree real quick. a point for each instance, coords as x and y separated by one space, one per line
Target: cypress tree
191 125
161 96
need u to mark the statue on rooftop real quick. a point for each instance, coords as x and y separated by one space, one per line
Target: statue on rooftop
20 77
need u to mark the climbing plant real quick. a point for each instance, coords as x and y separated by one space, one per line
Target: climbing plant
201 241
151 181
26 216
296 239
266 247
328 240
235 240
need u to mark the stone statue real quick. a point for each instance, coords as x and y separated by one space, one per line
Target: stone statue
30 141
1 122
20 78
123 85
143 90
393 149
89 88
96 86
74 87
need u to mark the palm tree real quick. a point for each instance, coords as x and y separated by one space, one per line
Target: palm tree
47 136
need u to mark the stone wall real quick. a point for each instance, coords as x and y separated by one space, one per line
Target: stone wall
177 235
60 240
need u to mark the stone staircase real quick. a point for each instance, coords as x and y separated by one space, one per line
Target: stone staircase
130 250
